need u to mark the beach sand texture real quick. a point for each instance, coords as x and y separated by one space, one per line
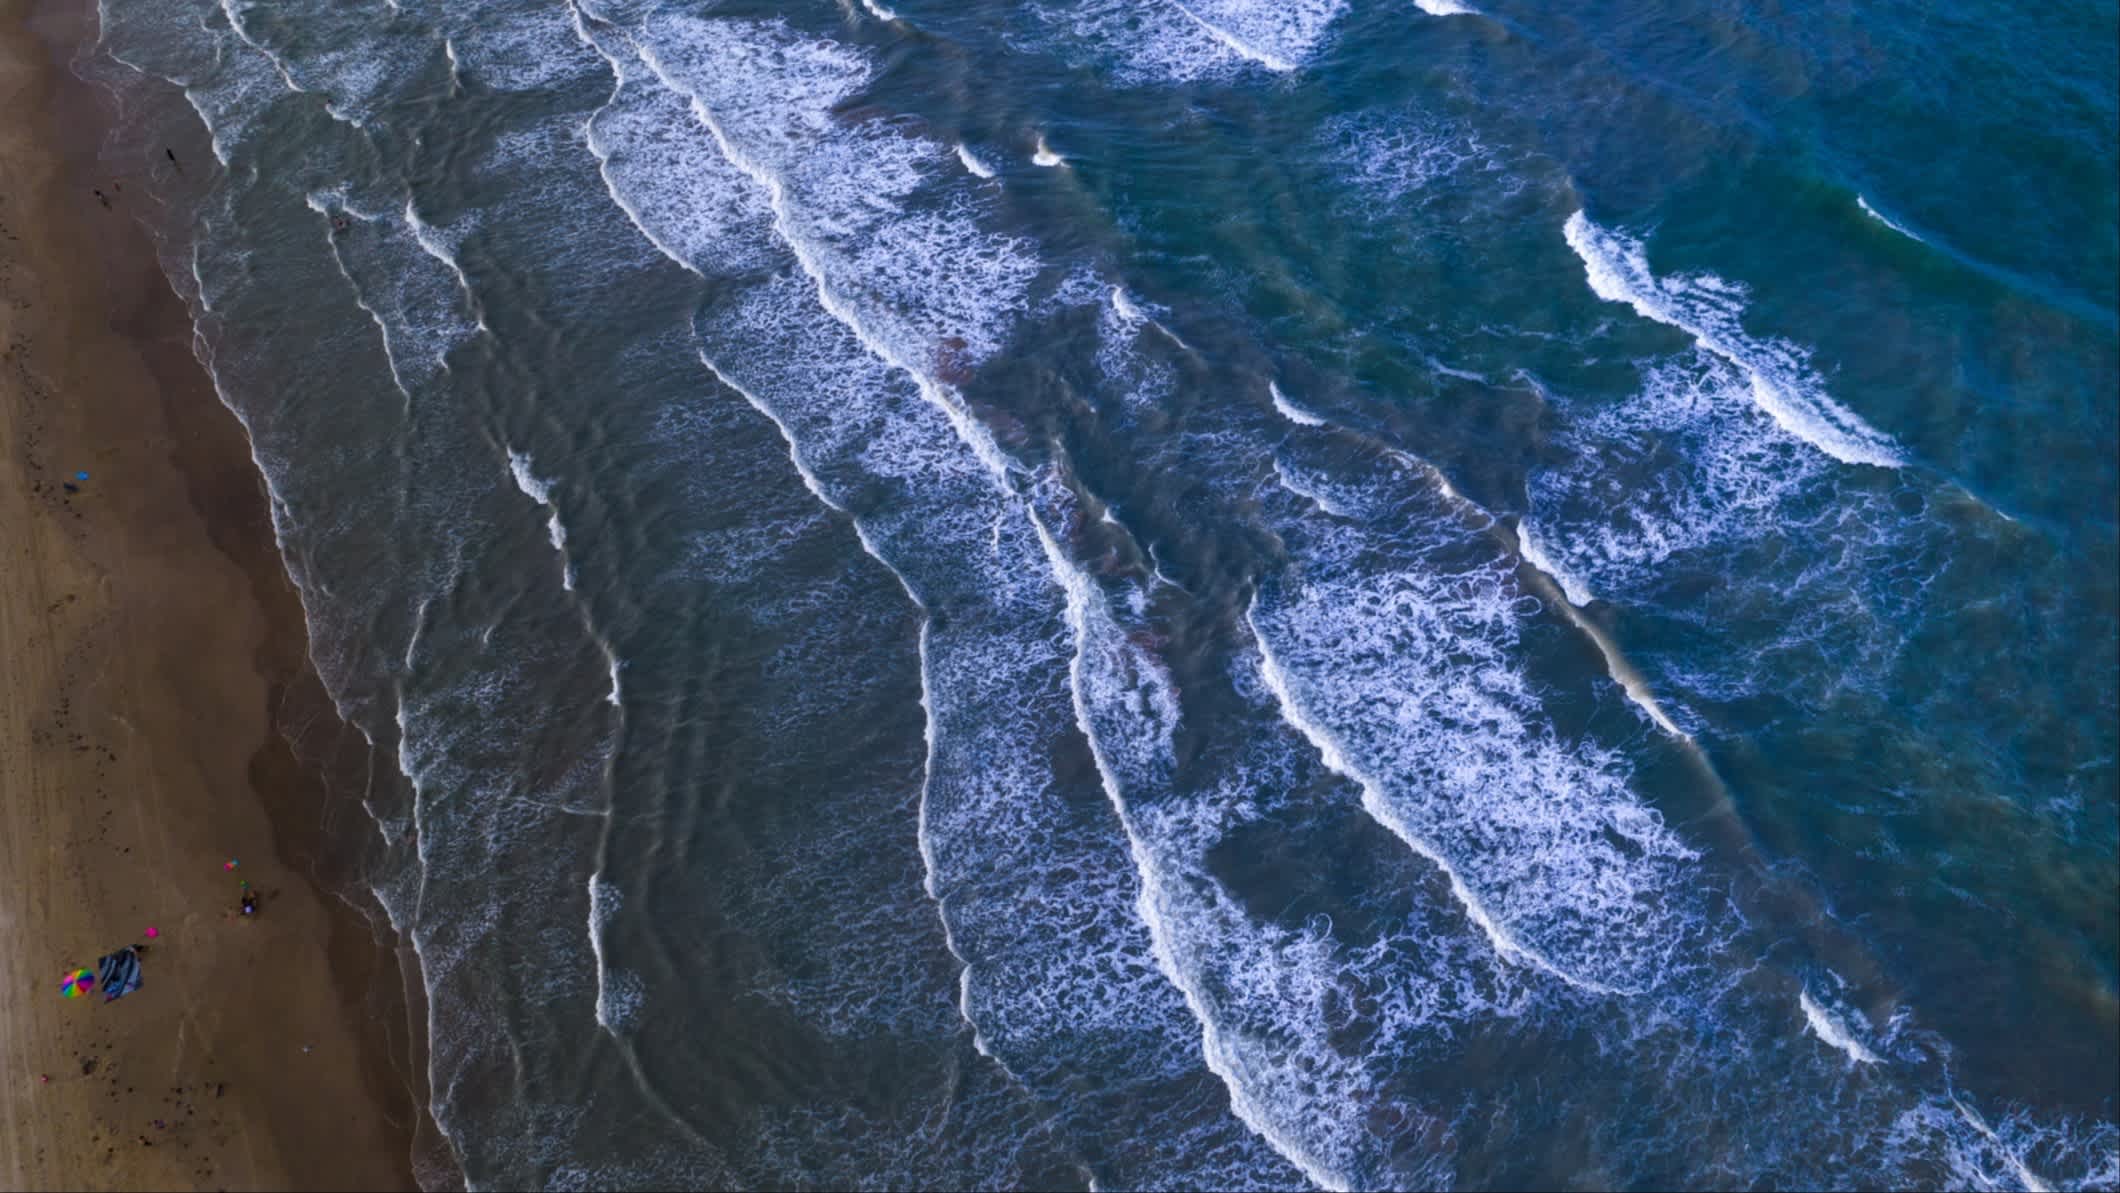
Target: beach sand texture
139 672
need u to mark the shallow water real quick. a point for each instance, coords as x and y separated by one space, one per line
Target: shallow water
1212 594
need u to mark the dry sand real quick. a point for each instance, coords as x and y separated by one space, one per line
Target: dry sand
147 642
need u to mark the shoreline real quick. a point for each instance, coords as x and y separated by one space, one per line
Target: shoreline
157 660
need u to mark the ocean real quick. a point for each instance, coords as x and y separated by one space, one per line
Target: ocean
1233 594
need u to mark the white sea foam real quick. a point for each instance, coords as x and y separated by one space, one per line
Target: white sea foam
1828 1028
1468 511
233 12
508 47
685 196
421 311
231 97
198 284
1443 370
181 52
619 993
1376 708
1399 670
1143 384
1887 221
2076 1153
1977 1154
1399 155
1445 8
1131 314
2018 1167
924 288
1234 34
1125 306
1127 709
1264 997
1682 475
879 11
976 167
1635 685
348 67
1148 43
1577 592
1710 310
1315 490
1182 40
394 333
1043 155
540 491
442 246
1576 595
1289 410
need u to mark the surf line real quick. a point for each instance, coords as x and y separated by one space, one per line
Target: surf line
1236 45
1215 1049
2024 1173
1616 267
1336 758
1835 1034
1632 683
978 442
1126 308
1623 672
784 226
1562 592
815 484
1553 586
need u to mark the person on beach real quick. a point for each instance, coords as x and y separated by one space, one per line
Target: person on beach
101 197
250 903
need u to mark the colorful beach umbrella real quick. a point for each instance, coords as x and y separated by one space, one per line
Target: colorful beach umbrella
78 983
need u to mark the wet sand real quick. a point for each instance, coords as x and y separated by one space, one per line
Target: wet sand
151 656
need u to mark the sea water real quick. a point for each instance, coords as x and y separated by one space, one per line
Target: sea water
1197 593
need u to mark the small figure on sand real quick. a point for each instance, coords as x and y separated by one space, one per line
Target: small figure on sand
101 197
250 903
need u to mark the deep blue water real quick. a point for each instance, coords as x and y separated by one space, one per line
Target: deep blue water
1231 594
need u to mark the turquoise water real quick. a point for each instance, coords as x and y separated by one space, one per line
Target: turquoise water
1211 594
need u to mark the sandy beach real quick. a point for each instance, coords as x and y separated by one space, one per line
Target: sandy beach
148 642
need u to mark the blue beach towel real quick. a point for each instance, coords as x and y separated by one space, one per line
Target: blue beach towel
119 973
